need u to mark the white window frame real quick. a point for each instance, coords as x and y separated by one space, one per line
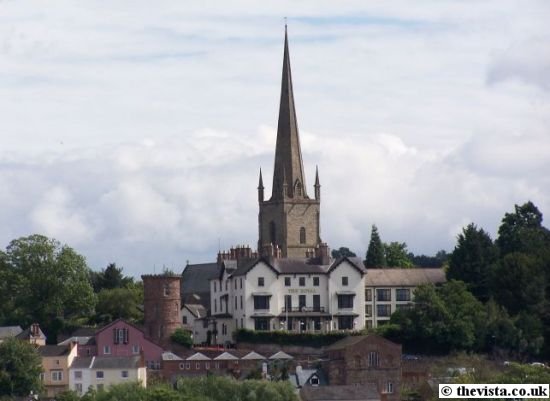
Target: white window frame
106 350
57 375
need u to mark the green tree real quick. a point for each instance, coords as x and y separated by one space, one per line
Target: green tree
522 231
182 337
397 255
342 252
20 368
471 260
109 278
375 253
518 284
50 282
118 303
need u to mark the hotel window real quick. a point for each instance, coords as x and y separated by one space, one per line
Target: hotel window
344 281
288 303
368 295
124 374
261 302
301 301
383 294
317 303
215 305
403 294
235 302
302 281
287 281
368 310
345 322
241 301
261 324
215 286
57 375
316 281
345 301
235 284
261 282
383 310
241 283
373 359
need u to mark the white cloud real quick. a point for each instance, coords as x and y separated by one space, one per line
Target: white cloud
136 135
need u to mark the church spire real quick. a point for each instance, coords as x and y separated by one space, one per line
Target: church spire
317 185
260 188
288 156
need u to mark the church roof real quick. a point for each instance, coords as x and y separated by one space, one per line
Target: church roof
289 168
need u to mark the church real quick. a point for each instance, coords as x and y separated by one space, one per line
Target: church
290 282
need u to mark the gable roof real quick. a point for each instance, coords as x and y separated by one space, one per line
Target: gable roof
102 329
252 355
350 341
404 277
281 355
196 277
116 362
9 331
82 362
26 334
246 267
53 350
198 356
357 263
196 310
170 356
226 356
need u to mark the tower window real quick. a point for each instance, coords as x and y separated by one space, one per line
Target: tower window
302 235
166 290
273 232
298 188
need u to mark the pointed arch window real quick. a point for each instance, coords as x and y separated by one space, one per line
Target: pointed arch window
302 235
273 232
298 188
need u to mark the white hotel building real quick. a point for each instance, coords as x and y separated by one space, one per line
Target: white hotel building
284 294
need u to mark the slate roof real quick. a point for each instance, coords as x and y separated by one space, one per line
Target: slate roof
10 331
82 362
226 356
281 355
366 392
299 266
53 350
198 356
196 280
26 334
301 377
252 355
197 310
116 362
170 356
350 341
404 277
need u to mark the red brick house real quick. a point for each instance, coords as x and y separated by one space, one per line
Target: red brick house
365 360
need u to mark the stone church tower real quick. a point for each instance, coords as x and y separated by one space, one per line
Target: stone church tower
289 221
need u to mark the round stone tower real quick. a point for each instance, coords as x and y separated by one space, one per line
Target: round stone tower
162 303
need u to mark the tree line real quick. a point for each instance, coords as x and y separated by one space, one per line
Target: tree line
43 281
497 298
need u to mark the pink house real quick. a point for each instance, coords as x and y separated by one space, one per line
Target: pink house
121 338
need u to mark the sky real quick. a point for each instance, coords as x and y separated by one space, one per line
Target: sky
134 132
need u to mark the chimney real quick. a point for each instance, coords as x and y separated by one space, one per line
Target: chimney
323 253
35 330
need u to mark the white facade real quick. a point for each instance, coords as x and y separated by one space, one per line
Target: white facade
389 290
289 295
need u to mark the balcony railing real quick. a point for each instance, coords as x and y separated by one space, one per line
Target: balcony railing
303 309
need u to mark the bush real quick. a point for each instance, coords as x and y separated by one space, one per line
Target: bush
182 337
